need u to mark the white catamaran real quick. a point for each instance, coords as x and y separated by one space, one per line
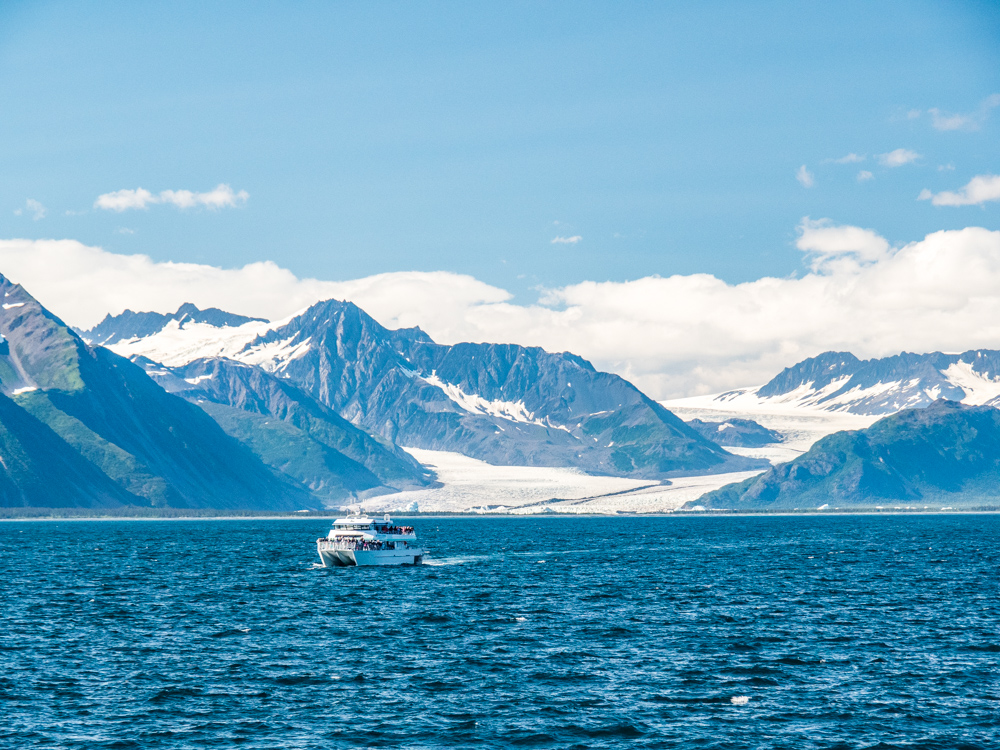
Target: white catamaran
360 540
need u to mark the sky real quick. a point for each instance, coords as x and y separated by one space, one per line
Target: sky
620 180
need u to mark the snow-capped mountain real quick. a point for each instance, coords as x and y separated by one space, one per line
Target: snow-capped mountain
130 324
505 404
81 426
840 382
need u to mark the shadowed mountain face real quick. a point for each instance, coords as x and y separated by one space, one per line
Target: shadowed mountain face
130 324
504 404
944 453
290 430
40 470
150 447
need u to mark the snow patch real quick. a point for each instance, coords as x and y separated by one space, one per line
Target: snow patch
8 306
515 411
979 388
275 356
175 346
26 389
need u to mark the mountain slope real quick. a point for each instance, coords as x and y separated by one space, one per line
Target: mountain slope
504 404
290 430
740 433
944 453
155 446
39 469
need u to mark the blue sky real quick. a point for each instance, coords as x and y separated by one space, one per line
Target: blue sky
467 136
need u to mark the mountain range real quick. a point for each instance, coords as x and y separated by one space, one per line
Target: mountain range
207 409
946 453
502 403
82 426
839 381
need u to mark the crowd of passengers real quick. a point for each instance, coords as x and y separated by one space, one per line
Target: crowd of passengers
364 544
394 529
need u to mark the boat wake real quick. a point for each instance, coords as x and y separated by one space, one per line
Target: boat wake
458 560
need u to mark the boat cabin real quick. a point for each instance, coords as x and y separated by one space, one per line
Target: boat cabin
369 528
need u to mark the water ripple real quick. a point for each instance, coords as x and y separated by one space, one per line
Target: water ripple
839 632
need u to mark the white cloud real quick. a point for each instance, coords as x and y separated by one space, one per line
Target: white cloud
566 240
222 196
851 158
864 175
123 200
36 208
970 121
898 158
805 177
826 242
979 190
672 336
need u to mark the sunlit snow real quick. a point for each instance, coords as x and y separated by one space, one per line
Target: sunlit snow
476 486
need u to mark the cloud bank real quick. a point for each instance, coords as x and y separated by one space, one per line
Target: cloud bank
673 336
124 200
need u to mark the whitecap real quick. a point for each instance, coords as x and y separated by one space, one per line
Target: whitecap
740 700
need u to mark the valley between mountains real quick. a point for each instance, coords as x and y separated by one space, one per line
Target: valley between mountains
204 409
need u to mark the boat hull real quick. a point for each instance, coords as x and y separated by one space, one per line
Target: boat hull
340 558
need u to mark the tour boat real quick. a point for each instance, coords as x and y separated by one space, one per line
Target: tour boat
360 540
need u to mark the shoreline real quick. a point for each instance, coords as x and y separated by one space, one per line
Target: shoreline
989 510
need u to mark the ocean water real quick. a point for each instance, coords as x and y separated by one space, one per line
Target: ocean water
761 632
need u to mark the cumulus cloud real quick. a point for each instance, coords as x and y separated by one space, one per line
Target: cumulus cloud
979 190
805 177
673 336
969 121
898 158
222 196
864 175
566 240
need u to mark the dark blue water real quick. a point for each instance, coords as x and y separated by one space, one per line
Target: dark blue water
837 632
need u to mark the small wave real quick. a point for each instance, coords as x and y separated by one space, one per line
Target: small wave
740 700
231 631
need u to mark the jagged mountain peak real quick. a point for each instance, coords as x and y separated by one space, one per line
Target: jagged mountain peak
129 325
839 381
818 372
